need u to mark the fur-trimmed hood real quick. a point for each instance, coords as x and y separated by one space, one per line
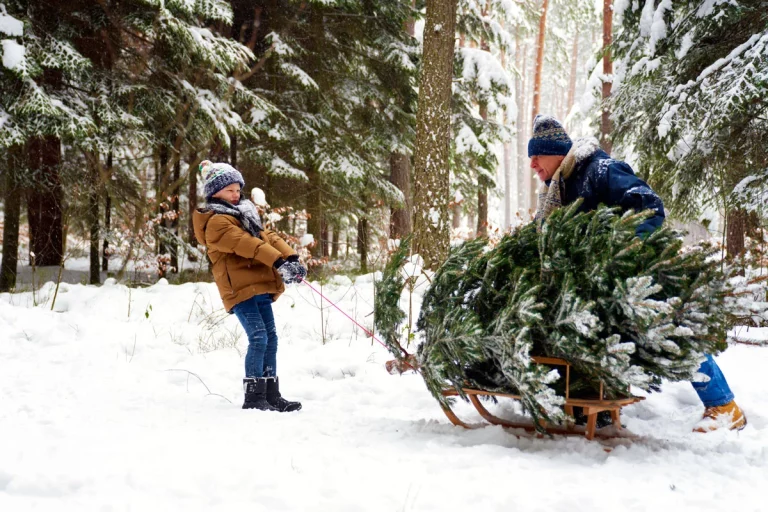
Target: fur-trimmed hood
582 150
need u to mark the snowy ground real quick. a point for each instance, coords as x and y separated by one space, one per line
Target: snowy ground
98 412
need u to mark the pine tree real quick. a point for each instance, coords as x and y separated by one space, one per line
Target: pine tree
623 311
690 100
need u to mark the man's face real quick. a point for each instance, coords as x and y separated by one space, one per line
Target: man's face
230 193
545 165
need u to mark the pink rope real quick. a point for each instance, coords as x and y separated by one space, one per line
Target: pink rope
369 333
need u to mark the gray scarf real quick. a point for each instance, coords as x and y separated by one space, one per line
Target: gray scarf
244 211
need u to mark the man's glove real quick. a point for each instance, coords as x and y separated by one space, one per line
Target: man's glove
291 271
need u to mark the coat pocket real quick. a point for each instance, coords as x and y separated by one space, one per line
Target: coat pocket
222 278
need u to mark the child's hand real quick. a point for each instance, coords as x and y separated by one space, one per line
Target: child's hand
292 272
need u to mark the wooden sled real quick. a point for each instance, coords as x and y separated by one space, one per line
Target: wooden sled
591 407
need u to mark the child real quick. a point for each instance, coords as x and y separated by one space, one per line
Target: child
251 266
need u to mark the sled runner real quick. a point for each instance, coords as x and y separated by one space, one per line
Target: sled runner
590 406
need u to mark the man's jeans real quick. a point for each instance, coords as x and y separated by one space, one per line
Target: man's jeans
716 391
255 315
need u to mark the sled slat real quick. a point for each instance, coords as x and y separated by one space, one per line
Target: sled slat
591 409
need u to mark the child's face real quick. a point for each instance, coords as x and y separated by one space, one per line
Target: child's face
230 194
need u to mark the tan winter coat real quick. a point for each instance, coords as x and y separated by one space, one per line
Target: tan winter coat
242 264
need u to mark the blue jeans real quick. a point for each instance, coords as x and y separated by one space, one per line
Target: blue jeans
716 391
255 315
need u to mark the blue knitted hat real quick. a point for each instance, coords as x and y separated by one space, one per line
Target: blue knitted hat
549 137
218 176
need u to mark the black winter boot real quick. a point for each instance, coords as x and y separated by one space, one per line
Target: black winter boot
276 400
256 395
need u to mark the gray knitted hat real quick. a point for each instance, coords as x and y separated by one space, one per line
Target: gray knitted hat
549 137
218 176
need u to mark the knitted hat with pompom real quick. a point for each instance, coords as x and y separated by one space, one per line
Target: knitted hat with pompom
218 176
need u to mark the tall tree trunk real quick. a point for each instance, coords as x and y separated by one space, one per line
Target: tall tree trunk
93 218
574 72
433 135
456 214
233 152
107 216
174 222
400 176
506 162
606 127
362 243
400 225
507 170
11 223
336 239
161 188
44 202
522 174
537 87
324 237
218 151
482 185
193 171
314 210
736 227
482 207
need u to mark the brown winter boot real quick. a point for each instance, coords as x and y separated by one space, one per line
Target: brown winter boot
728 416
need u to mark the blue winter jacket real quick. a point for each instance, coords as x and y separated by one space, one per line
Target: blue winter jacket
598 179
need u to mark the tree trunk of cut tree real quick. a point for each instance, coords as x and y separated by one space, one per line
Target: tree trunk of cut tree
44 202
431 223
606 127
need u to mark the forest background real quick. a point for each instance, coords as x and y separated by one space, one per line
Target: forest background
107 108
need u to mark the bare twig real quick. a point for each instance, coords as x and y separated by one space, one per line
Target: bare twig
201 382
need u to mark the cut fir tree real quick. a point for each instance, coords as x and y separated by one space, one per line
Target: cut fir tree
584 288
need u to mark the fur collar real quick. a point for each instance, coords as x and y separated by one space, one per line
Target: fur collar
582 150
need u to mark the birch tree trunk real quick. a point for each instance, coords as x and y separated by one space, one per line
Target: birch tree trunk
431 223
522 182
537 88
574 72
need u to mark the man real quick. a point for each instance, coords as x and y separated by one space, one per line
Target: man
569 170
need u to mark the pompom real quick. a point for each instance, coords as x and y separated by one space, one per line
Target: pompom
205 168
